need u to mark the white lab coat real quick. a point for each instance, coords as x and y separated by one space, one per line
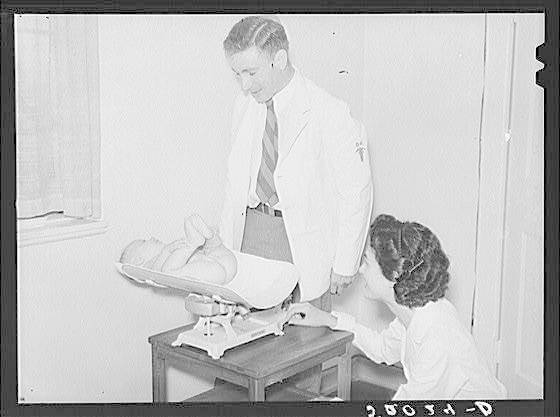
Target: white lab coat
322 179
439 358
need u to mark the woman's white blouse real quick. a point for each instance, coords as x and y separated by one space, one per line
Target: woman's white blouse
438 354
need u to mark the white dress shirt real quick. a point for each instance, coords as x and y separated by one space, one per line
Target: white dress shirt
438 354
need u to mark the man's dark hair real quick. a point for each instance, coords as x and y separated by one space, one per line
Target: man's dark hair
266 34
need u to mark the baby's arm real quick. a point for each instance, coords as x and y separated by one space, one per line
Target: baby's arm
178 258
165 253
176 244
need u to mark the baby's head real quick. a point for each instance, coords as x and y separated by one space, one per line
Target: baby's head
140 252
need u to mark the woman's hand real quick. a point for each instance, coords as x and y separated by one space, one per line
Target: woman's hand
340 282
304 314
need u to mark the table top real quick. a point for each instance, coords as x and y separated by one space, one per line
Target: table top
266 355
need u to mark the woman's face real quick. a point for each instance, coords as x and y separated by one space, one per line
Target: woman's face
376 284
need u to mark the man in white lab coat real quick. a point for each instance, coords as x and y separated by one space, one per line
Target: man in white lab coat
322 176
299 183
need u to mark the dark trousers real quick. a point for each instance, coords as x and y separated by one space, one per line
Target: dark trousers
265 236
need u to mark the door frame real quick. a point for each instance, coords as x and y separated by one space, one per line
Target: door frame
495 136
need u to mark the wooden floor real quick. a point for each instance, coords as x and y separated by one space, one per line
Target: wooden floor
226 392
362 391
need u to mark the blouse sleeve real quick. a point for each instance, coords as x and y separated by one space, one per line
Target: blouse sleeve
380 347
431 374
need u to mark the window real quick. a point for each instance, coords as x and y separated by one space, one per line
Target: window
57 126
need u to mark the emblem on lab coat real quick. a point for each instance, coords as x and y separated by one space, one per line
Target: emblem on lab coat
360 148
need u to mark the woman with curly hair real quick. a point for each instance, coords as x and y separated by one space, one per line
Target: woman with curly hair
405 267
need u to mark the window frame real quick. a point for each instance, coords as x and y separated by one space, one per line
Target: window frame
56 227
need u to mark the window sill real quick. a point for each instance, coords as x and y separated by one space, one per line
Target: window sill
58 231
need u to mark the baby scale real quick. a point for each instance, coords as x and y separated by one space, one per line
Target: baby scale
247 308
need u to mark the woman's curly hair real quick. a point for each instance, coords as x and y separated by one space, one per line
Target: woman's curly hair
410 255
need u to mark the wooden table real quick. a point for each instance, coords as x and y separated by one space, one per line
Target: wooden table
257 364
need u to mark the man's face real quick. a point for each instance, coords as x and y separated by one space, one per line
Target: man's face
256 73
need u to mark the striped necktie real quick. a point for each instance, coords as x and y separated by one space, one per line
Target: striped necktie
265 180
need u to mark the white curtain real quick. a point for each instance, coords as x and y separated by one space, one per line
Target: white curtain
57 115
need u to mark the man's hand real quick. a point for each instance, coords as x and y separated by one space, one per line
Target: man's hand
339 282
304 314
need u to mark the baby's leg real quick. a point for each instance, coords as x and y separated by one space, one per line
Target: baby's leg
193 237
226 259
211 237
201 226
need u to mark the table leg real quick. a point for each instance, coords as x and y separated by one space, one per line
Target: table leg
344 374
158 377
256 389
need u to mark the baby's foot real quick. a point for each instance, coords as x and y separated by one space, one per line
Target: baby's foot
212 238
201 226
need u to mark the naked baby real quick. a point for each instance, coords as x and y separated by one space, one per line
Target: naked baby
200 255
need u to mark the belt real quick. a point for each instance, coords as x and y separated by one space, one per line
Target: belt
263 208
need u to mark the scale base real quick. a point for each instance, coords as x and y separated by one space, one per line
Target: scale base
218 333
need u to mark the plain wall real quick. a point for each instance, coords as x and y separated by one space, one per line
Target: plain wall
422 108
166 97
